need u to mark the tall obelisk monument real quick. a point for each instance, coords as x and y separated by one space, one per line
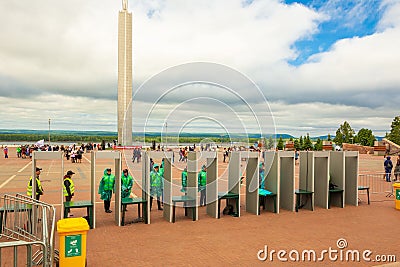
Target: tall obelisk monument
124 76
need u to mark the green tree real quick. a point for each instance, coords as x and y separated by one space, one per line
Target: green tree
307 143
296 144
365 137
344 134
318 145
270 143
301 143
280 143
394 134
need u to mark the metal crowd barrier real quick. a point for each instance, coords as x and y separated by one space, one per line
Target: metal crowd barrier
376 182
30 223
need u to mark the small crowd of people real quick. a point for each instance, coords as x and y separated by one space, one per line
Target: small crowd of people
106 187
137 155
388 165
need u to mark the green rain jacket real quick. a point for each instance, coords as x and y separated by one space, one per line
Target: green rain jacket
126 185
156 184
106 186
202 180
184 181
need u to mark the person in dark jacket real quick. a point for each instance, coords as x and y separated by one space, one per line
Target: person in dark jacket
388 164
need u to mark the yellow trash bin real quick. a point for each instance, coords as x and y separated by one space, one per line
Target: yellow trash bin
72 233
396 190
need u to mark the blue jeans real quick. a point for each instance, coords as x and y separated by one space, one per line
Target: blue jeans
388 173
203 195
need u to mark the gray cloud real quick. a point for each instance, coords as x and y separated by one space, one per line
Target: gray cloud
64 54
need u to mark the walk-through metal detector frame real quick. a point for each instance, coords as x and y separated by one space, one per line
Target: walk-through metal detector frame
48 155
337 175
252 183
116 156
351 177
192 183
167 190
234 178
212 182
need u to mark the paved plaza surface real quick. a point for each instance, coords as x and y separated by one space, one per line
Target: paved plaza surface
217 242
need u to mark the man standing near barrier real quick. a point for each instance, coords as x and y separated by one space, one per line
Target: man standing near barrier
388 168
69 187
106 188
202 181
39 188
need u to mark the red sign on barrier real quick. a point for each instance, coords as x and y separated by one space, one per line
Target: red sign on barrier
126 147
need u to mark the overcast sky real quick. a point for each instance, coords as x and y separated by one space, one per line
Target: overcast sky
314 64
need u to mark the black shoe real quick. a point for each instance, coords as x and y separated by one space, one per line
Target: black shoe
160 208
108 211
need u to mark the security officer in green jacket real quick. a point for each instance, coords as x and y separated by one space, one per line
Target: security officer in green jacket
39 188
156 186
184 180
202 182
106 189
126 184
68 187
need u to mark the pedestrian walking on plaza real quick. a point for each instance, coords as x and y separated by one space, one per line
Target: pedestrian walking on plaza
202 182
68 187
5 150
225 154
388 168
397 168
106 189
156 186
39 189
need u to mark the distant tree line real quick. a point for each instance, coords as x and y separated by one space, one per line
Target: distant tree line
29 138
344 134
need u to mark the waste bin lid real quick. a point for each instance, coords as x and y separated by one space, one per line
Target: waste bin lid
72 224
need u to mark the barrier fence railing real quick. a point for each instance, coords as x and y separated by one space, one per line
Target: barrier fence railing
377 183
26 222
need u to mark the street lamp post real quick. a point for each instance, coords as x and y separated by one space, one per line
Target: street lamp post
49 132
166 135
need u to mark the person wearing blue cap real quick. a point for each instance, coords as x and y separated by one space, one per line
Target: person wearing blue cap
156 186
388 164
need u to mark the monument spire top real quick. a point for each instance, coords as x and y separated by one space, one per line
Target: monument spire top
124 4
